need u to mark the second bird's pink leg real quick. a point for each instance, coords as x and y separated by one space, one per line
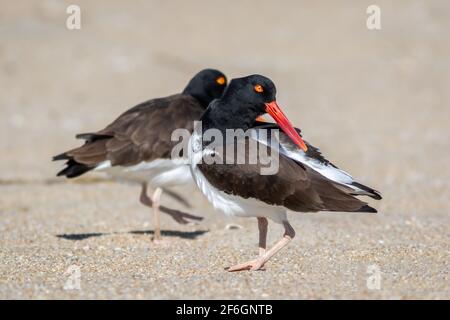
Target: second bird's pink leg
153 202
177 215
156 197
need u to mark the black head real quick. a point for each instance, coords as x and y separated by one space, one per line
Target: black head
243 101
206 86
253 91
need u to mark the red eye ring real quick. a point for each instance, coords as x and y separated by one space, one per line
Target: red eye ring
258 88
221 80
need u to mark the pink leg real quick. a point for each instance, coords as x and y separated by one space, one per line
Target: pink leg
262 227
178 216
258 263
156 197
153 202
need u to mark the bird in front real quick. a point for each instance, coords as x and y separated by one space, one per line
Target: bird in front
303 182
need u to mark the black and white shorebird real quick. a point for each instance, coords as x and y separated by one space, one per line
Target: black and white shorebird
304 182
137 146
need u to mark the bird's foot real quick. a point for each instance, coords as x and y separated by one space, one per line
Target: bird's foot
252 265
159 241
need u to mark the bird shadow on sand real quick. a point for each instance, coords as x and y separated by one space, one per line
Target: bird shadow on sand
173 233
165 233
79 236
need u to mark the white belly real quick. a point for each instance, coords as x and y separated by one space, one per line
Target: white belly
157 173
230 204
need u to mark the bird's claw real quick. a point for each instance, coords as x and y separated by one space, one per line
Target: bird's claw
253 265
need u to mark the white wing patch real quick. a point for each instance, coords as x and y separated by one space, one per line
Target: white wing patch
290 150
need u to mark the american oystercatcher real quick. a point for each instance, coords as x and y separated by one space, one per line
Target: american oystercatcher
137 146
304 182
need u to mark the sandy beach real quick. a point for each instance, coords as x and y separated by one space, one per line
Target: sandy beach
376 102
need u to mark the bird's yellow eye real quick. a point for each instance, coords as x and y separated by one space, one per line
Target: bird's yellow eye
258 88
220 80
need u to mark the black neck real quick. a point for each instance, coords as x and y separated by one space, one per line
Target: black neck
199 93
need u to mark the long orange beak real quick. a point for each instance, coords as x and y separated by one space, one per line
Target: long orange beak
274 110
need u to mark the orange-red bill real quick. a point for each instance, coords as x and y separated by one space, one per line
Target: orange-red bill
275 112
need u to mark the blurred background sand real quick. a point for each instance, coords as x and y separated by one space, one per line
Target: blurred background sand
377 103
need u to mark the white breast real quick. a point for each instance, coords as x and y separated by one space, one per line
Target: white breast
229 204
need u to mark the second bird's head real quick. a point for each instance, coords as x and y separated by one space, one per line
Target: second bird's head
206 86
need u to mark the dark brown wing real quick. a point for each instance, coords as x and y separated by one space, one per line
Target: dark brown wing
142 133
313 158
294 186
